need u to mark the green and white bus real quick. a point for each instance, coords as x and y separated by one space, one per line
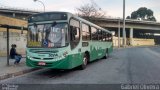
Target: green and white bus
61 40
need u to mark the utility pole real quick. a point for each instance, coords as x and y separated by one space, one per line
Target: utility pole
41 3
119 32
7 45
124 32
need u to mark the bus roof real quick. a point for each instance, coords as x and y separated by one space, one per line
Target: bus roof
90 23
76 17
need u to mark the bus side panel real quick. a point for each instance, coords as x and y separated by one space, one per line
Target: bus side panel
76 56
75 60
94 50
98 50
110 48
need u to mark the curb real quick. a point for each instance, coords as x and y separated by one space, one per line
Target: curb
10 75
134 47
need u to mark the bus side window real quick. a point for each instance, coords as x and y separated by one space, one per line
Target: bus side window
109 37
74 33
94 33
100 35
85 32
71 34
106 36
103 35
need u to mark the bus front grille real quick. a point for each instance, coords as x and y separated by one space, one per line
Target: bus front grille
42 58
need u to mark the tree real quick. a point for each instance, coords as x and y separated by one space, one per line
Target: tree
144 14
90 10
128 17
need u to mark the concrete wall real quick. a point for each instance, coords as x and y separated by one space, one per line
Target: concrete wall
12 21
135 42
115 41
143 42
15 38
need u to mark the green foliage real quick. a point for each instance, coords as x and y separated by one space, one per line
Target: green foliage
128 17
144 14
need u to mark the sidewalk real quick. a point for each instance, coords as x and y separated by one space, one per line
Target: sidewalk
13 70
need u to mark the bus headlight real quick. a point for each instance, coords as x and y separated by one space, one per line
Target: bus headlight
65 53
29 57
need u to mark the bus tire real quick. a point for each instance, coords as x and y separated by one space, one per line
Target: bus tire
106 54
85 61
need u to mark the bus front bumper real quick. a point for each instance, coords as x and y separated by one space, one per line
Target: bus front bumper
61 64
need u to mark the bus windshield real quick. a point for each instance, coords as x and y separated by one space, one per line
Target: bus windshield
47 35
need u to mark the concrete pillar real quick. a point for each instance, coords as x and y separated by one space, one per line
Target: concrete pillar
14 15
131 36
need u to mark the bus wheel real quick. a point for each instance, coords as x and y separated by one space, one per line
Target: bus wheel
85 61
106 55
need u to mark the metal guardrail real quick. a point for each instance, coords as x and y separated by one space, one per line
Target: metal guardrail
127 20
18 11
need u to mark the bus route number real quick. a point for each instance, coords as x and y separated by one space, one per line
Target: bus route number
53 55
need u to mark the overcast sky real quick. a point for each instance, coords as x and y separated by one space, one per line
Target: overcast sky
113 8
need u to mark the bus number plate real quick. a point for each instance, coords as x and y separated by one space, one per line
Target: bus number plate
42 63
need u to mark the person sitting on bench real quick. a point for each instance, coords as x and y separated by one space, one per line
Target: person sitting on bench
14 54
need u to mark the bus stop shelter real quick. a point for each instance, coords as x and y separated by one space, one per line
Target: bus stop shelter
8 27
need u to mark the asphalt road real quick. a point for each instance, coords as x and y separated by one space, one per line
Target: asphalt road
129 65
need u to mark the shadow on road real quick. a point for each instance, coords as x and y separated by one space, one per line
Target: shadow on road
56 73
